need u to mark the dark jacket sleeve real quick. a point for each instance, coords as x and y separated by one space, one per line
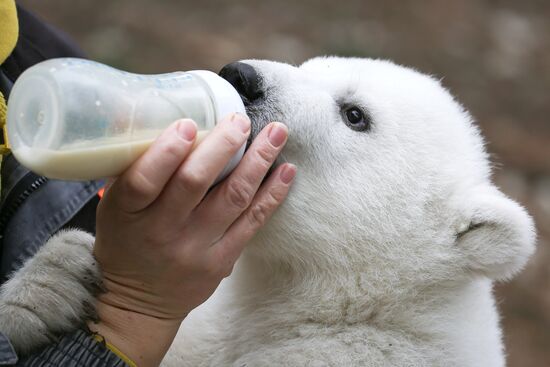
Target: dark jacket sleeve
7 354
75 349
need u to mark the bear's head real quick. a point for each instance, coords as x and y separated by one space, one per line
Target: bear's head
393 178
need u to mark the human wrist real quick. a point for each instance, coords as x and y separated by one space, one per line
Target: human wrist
144 339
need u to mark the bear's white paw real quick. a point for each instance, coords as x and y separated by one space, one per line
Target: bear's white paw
52 293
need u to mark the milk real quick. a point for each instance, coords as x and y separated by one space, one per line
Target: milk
76 119
109 157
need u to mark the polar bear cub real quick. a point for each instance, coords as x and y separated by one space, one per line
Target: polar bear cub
385 251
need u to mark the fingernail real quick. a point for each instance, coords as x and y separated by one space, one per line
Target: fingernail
187 129
288 173
277 135
242 121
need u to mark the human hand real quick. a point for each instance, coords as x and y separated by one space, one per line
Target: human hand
164 242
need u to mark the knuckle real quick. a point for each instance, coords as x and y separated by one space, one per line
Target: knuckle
226 271
238 194
212 269
192 179
232 140
186 258
137 186
266 156
226 263
275 197
260 212
158 233
172 151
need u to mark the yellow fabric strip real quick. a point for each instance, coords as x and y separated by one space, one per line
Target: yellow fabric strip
3 110
115 350
4 148
9 28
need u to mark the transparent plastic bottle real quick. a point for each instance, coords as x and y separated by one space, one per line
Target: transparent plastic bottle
76 119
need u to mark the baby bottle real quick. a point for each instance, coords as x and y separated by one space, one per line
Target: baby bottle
76 119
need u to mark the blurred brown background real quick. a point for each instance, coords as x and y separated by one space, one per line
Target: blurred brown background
493 55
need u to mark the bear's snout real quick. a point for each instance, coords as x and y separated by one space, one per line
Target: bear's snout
248 82
245 79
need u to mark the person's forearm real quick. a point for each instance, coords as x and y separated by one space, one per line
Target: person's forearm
143 339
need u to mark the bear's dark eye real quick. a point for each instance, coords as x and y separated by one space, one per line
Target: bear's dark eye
356 119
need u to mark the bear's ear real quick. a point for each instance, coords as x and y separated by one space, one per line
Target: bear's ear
495 234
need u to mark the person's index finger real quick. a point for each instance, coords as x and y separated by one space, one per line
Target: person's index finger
143 182
217 149
195 176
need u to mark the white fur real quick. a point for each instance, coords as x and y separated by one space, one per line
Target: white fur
385 251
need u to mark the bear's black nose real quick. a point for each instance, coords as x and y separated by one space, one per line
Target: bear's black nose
245 79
